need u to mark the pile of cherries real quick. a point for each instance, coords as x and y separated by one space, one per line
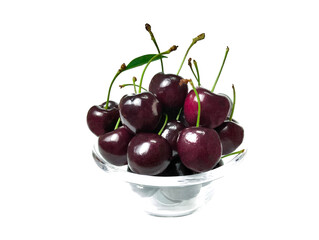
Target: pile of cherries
167 130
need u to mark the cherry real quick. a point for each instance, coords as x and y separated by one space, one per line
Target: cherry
231 134
199 148
170 133
113 145
215 107
101 120
168 91
140 112
148 154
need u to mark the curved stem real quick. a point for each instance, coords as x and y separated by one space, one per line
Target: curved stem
180 68
196 67
117 123
198 103
162 129
134 80
173 48
184 81
234 102
130 84
221 68
195 40
148 28
109 92
122 69
233 153
158 50
191 67
179 114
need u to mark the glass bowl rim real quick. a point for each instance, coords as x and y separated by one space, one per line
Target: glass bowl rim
173 181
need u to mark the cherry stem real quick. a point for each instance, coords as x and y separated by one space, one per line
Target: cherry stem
191 67
173 48
117 123
195 40
221 68
164 125
122 69
234 102
179 114
233 153
129 84
196 67
148 28
134 80
185 81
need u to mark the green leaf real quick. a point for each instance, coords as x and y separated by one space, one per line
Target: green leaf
139 61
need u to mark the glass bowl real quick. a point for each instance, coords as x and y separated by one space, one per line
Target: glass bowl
170 196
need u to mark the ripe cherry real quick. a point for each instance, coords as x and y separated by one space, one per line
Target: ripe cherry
113 145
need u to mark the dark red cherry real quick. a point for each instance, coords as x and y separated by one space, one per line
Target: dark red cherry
113 145
214 108
140 112
170 133
230 102
148 154
199 148
168 91
100 120
231 135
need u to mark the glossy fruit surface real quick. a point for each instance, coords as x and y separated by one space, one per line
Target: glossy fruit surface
148 154
231 135
199 148
140 112
171 132
113 145
168 91
214 108
100 120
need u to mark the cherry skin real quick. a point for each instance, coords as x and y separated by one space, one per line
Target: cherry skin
168 91
113 145
199 148
231 135
214 108
100 120
170 133
140 112
148 154
230 103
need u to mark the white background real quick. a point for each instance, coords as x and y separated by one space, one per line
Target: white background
57 59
